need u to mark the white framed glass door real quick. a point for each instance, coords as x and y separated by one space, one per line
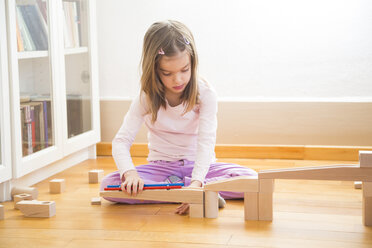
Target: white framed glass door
5 138
33 82
80 74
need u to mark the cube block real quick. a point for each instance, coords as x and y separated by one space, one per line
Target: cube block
57 186
95 176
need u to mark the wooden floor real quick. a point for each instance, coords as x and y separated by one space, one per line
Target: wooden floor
306 214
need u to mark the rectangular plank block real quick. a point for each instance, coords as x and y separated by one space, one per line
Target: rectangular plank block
21 197
2 212
234 184
266 185
367 211
333 172
367 189
37 208
251 205
28 190
188 195
196 211
96 201
265 199
365 159
211 204
265 206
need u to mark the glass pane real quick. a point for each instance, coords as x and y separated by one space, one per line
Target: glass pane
34 75
78 84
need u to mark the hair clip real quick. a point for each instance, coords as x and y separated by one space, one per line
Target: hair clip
187 42
161 52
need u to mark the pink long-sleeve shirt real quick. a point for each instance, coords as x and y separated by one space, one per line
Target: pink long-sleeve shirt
174 135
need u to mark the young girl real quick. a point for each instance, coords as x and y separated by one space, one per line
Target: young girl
179 110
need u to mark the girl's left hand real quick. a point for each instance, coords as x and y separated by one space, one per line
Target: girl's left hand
184 207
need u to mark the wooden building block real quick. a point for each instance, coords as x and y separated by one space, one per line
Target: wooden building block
250 205
357 185
187 195
266 185
210 204
95 176
365 159
196 211
265 206
367 211
57 186
21 197
367 189
28 190
37 208
2 212
265 199
96 201
333 172
234 184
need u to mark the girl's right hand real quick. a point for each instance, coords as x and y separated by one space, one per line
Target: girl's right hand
133 183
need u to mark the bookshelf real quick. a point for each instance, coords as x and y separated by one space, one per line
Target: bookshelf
5 152
53 83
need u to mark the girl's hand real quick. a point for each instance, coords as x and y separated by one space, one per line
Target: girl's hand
184 207
133 183
195 184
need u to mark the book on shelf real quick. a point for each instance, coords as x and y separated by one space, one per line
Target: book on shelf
42 4
36 123
72 27
47 117
26 129
74 114
36 120
78 21
20 46
28 44
32 23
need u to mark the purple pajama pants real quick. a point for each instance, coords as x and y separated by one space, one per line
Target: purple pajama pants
159 171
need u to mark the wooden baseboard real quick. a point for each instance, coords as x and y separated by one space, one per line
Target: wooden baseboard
262 152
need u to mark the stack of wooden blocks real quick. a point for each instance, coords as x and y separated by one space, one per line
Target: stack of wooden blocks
258 190
25 201
25 198
95 176
193 196
258 196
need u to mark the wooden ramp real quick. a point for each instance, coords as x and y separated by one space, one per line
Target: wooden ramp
173 195
258 191
332 172
361 172
193 196
235 184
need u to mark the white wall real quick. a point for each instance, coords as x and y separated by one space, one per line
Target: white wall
280 49
286 72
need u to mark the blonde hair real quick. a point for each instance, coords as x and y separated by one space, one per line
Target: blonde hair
167 38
